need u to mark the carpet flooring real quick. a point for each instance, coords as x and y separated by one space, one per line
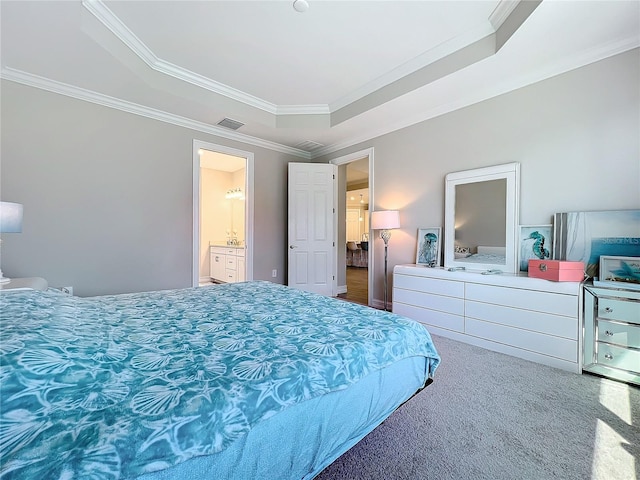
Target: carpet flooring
492 416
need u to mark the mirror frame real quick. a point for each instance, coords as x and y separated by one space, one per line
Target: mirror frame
508 171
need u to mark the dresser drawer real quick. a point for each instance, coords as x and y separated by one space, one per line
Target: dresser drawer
546 302
623 334
618 309
430 285
427 300
563 348
232 262
619 357
430 317
559 326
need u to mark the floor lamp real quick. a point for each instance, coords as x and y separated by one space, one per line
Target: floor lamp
10 222
385 220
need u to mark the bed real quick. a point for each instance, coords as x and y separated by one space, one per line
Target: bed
244 380
491 255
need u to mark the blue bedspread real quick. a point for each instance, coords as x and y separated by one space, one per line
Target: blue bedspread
115 386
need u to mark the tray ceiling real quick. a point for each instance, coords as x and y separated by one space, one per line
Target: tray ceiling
304 83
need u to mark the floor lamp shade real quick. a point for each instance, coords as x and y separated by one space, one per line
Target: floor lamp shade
10 222
385 220
10 217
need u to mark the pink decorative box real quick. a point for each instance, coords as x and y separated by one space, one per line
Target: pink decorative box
557 270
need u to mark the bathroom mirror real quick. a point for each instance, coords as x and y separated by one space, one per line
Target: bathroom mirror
481 219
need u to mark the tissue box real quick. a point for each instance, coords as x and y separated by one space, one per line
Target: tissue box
557 270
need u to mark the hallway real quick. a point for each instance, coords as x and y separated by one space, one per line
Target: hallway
357 286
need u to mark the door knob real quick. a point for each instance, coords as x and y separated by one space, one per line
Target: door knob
293 246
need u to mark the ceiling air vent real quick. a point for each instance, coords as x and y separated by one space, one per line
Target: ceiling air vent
309 146
231 124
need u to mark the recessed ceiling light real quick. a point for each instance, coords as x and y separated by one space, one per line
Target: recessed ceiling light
300 5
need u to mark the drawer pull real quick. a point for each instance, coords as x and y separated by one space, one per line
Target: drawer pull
608 310
608 333
543 267
608 356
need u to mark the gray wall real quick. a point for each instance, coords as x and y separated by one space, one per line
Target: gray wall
576 137
108 196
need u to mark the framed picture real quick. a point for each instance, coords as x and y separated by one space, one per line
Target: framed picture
536 242
428 251
586 236
621 272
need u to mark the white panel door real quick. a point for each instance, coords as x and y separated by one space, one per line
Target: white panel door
312 200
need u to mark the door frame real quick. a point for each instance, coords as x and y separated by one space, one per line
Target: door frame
352 157
249 205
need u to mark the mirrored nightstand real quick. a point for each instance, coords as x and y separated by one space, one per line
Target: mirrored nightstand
612 333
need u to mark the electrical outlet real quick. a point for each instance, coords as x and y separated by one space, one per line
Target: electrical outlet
67 290
274 273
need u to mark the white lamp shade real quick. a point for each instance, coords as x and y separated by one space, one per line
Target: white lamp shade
385 220
10 217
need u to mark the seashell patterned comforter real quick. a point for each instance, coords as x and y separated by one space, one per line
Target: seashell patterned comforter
115 386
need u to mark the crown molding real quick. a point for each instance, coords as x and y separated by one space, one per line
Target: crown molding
105 16
421 61
588 57
303 110
502 12
585 58
78 93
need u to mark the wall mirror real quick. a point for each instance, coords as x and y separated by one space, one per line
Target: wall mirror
481 219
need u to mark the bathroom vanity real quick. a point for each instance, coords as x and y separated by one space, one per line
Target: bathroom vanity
227 263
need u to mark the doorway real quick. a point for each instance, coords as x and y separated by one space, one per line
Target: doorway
222 214
355 194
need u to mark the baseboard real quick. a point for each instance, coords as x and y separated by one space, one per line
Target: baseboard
379 304
342 289
205 279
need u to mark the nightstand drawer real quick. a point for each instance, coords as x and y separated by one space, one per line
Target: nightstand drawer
614 309
619 357
618 333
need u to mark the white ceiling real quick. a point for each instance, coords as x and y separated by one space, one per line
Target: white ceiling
304 83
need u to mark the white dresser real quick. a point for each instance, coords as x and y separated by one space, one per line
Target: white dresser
530 318
612 332
227 264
